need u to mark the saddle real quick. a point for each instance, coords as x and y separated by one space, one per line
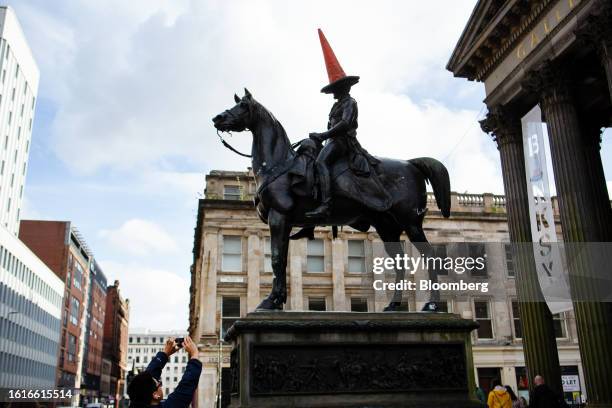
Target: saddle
352 177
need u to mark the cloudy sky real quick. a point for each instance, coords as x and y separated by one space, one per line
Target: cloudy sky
123 137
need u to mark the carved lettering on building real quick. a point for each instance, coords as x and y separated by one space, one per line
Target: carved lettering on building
529 41
544 27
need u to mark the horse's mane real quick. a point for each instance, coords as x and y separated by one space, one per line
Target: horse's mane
264 114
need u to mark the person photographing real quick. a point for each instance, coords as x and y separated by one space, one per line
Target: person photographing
146 390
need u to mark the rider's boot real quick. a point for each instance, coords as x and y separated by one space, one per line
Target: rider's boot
307 232
324 209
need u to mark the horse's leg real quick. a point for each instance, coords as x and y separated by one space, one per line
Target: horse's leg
279 233
393 247
418 238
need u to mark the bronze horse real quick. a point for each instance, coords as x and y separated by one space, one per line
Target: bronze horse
404 179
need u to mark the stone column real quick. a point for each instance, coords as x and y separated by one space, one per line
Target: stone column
539 342
254 267
596 33
297 249
606 57
591 136
380 296
579 220
605 41
338 266
208 299
207 386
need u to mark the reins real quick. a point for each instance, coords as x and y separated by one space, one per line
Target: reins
230 147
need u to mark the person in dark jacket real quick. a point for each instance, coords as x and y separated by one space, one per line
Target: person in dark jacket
146 389
542 396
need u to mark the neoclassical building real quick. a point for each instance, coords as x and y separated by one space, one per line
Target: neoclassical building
555 55
231 273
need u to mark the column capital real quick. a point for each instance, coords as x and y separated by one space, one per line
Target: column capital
253 232
550 82
596 31
211 230
503 125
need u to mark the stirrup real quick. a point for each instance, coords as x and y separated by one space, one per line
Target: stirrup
321 211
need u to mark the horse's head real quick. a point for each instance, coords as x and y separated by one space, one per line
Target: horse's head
238 118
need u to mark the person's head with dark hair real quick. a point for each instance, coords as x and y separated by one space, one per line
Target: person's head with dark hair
495 382
513 396
145 390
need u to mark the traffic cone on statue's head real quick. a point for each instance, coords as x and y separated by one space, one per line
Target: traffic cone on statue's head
337 78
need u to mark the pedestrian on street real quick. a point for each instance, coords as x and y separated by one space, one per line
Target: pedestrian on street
480 394
498 396
516 403
146 390
542 396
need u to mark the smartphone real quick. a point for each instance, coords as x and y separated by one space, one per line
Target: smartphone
179 341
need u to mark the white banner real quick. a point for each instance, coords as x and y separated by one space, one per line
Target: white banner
549 263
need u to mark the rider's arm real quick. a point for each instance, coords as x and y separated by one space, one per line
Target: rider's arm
338 128
349 114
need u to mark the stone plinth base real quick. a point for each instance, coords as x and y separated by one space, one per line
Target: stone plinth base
335 359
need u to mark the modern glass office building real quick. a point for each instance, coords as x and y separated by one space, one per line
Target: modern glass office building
30 311
30 293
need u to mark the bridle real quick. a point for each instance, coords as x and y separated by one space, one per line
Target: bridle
225 143
233 149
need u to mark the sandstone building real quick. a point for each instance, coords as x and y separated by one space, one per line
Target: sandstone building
231 273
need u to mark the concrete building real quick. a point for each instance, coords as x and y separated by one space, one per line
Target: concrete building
115 342
143 344
19 77
231 273
30 312
60 246
30 293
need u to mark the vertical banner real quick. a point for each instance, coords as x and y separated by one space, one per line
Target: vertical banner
549 264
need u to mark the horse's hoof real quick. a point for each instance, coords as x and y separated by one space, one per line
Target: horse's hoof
430 307
392 307
270 303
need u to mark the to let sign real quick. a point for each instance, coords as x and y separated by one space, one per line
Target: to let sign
570 383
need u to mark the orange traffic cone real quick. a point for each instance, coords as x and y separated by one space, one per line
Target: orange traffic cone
337 78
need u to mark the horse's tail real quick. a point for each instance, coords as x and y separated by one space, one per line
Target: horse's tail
437 175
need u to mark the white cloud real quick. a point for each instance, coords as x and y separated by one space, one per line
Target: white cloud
145 90
140 237
159 299
132 87
29 211
165 182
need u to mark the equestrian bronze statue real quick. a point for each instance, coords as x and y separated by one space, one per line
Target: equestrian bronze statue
336 183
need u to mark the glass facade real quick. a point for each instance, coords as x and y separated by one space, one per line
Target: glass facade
29 324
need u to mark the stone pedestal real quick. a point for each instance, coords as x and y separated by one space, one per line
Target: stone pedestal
336 359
